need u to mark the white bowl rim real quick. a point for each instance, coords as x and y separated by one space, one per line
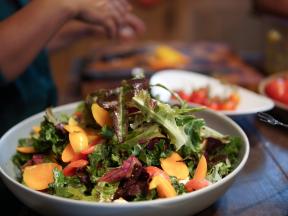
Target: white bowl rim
230 176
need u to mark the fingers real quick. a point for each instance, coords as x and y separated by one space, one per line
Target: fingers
111 28
120 7
136 23
114 16
125 4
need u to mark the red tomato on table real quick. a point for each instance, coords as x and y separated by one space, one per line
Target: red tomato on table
277 89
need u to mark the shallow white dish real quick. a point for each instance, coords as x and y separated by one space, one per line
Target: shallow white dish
46 204
263 84
250 102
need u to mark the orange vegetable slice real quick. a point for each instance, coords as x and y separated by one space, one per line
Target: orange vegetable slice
79 141
39 176
201 169
70 169
36 129
67 154
73 128
26 149
93 136
163 186
174 166
77 137
100 115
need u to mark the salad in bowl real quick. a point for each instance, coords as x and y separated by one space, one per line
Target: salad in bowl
123 145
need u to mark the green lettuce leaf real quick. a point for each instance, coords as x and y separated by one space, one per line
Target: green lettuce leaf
142 135
219 171
162 114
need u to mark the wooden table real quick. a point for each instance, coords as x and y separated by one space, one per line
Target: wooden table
262 187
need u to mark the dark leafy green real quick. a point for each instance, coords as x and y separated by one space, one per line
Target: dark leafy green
179 187
50 138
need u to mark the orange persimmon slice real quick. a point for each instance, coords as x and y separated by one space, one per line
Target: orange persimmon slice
174 166
78 141
67 154
100 115
26 149
163 186
201 169
39 176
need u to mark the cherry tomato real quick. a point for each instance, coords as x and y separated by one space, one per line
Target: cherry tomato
212 103
234 97
199 96
183 95
285 95
228 105
276 89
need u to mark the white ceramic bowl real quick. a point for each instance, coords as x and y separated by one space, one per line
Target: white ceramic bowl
46 204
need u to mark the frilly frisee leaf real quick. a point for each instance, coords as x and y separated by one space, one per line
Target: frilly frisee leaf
207 132
162 114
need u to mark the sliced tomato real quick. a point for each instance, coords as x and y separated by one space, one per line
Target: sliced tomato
196 184
199 96
154 171
89 150
228 105
212 104
183 95
70 169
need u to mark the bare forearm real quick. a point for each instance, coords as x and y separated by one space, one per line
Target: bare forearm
72 31
24 34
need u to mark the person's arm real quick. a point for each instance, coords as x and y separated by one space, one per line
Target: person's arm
75 30
72 31
24 34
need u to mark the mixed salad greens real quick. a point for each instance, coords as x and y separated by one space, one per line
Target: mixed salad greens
123 145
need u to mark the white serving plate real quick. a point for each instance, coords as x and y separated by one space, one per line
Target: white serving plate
250 102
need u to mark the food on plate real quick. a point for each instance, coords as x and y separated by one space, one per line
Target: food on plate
166 57
122 144
277 89
203 96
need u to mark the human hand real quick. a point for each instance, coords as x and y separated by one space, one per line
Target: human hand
107 13
132 27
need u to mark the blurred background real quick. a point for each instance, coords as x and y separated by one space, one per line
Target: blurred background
224 35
